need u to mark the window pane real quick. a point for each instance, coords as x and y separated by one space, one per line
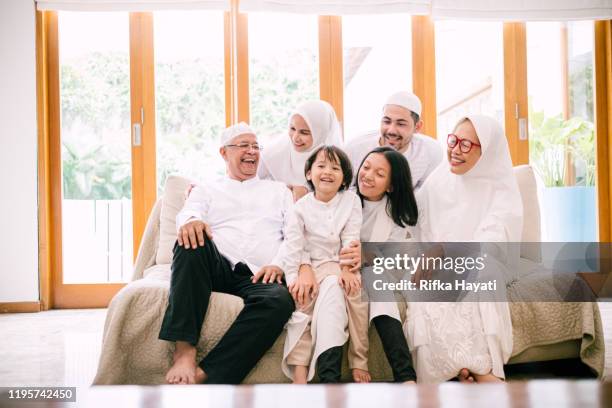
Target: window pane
561 131
189 93
95 139
377 63
283 70
469 71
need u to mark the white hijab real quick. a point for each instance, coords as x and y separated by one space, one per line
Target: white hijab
481 205
281 159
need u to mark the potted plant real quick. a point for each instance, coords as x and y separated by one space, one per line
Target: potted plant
562 153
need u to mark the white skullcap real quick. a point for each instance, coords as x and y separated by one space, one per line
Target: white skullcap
406 100
235 130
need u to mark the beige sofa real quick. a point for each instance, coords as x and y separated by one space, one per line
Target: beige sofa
132 354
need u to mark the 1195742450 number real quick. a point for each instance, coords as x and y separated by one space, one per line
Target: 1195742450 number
67 394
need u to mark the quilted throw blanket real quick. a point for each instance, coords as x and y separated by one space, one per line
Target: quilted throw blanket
132 353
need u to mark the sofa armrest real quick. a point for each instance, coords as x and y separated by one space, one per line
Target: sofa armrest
149 243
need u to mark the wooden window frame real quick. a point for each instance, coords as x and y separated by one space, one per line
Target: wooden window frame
603 126
236 51
331 69
424 71
515 90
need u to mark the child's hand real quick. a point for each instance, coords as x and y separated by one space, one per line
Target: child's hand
350 282
305 288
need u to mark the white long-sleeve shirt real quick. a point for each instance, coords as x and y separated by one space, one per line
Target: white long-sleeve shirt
423 154
248 219
318 230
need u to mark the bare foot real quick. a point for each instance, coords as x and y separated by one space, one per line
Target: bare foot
409 382
487 378
465 376
300 375
183 370
200 376
361 376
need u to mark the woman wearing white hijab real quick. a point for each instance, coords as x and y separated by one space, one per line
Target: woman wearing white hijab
312 124
472 197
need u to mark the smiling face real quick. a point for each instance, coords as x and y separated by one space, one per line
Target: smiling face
299 133
326 175
241 163
461 163
374 177
397 127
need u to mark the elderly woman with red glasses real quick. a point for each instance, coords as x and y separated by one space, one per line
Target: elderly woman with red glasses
471 197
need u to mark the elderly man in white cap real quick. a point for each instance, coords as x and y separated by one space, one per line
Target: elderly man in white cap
399 128
230 239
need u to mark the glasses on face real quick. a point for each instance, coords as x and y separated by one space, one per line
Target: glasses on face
246 146
464 145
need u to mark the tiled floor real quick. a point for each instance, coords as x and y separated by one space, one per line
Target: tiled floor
58 347
61 347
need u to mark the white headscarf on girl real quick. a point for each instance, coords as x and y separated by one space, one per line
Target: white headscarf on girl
281 159
482 205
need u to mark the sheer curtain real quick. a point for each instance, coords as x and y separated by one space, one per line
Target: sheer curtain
499 10
338 7
526 10
131 5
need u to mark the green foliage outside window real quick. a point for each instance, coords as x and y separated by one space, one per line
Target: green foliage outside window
552 140
190 116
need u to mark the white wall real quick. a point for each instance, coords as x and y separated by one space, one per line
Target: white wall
18 160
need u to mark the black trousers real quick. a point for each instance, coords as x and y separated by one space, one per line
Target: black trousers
267 307
329 365
396 348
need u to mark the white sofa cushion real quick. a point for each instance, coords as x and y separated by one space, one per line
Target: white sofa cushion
172 202
525 177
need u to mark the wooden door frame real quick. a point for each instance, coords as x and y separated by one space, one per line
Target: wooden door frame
53 292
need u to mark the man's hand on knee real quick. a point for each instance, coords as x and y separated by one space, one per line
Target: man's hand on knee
191 235
268 274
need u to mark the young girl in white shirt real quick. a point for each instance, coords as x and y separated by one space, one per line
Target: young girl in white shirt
323 222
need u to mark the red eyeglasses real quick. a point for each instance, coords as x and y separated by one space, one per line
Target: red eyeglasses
464 145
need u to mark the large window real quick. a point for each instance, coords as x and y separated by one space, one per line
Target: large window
377 62
198 60
95 147
189 93
561 131
469 71
283 68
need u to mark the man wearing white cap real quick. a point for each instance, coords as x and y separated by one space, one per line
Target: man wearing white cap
230 239
399 128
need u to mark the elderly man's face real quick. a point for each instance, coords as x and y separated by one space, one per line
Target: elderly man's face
397 127
241 157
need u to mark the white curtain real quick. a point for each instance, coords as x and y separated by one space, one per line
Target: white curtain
338 7
522 10
131 5
496 10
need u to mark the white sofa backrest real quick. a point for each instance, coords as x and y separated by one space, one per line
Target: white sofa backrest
526 180
172 202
